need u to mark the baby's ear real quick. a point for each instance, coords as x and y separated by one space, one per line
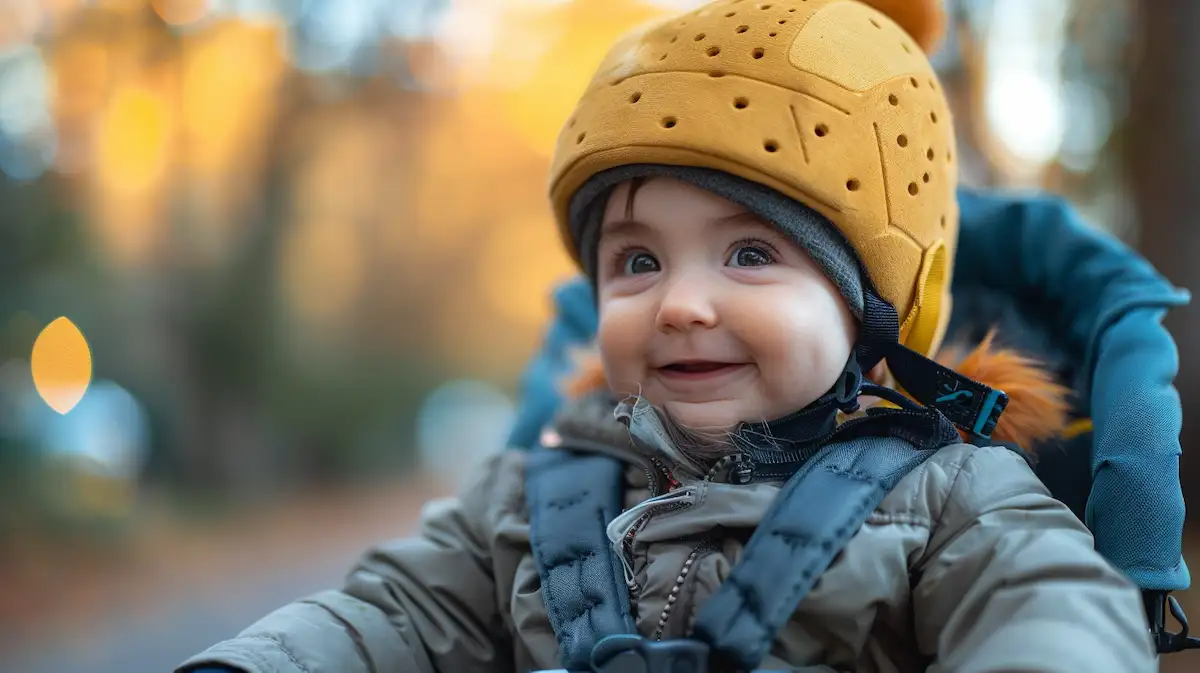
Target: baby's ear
924 20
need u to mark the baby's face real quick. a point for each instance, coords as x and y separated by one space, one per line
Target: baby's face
711 313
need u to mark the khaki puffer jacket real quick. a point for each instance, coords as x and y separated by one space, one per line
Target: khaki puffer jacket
969 566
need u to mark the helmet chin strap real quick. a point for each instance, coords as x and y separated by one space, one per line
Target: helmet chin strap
815 423
930 387
968 404
776 450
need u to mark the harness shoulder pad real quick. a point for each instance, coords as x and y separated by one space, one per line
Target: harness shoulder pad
816 514
571 499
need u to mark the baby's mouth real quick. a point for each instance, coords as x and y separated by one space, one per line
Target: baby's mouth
698 369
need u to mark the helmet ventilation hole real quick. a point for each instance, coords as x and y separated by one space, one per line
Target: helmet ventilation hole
637 96
933 117
929 154
772 34
669 122
579 138
741 103
913 81
913 188
699 37
925 178
770 146
893 99
820 130
742 29
852 185
758 52
713 51
902 140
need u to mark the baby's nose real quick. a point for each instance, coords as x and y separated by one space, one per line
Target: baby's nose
687 304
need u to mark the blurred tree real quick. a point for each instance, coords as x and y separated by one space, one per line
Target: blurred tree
46 270
1163 157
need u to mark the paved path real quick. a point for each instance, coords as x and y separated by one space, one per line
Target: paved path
158 639
211 591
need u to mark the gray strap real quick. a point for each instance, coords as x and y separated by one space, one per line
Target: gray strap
571 499
816 514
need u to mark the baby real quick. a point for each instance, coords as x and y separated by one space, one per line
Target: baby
763 197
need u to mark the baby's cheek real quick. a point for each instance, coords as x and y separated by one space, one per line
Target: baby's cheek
805 369
620 352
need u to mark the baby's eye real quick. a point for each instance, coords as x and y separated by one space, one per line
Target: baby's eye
640 262
750 256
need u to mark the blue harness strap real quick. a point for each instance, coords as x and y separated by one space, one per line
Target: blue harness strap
571 499
816 514
818 511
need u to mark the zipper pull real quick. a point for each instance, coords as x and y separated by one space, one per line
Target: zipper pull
743 471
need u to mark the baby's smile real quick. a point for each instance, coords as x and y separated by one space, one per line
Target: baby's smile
693 374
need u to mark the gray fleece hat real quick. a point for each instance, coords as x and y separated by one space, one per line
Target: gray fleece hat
811 230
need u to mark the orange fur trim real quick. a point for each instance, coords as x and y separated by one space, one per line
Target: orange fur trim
589 376
1037 409
1038 406
924 20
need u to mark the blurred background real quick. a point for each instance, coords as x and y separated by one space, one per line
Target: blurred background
308 245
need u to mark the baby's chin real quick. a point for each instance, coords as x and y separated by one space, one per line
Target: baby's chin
714 416
721 415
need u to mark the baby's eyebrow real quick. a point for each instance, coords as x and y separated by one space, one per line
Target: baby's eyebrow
627 227
746 221
623 227
743 217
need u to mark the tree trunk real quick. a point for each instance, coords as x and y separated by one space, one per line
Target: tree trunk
1163 160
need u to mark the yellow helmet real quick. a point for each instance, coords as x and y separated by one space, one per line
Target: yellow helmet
829 102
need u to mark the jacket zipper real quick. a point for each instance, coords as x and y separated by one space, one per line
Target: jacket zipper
655 485
656 478
677 589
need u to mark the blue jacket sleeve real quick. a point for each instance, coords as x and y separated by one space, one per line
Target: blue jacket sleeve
573 326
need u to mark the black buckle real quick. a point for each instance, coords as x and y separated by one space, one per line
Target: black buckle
635 654
848 386
1158 603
